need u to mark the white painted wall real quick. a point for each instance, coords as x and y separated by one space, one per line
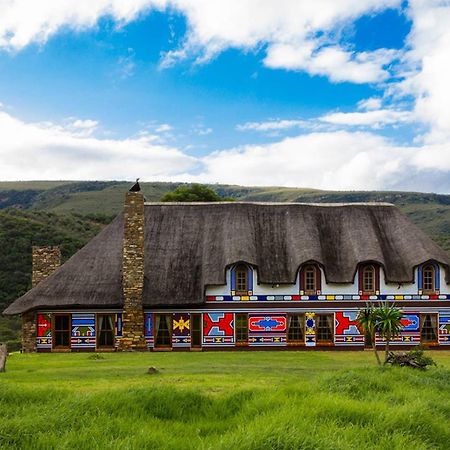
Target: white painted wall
328 289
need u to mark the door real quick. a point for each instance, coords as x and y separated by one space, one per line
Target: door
61 331
196 330
241 329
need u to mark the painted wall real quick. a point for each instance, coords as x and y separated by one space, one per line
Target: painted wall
327 289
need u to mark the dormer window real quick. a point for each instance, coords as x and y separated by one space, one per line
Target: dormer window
429 279
241 279
369 279
310 280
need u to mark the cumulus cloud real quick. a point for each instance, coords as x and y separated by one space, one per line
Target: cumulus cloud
51 151
298 35
332 160
374 119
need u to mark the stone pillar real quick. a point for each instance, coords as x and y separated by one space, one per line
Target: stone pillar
133 274
29 332
45 261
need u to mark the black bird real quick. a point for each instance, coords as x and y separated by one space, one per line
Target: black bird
136 187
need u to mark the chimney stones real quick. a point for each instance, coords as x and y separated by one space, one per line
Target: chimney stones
133 273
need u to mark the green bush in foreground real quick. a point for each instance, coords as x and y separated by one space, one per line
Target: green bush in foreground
307 400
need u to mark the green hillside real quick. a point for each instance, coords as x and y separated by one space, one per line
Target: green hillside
69 213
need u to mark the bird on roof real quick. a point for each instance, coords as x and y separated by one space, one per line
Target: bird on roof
136 186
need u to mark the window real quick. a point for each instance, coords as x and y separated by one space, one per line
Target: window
368 279
105 330
296 329
241 329
324 328
196 330
428 328
163 330
241 273
310 279
62 331
428 277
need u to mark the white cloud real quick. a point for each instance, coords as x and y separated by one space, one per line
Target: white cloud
272 125
332 160
429 63
163 128
369 104
374 119
299 35
50 151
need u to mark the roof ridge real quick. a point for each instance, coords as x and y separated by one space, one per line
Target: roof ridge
271 203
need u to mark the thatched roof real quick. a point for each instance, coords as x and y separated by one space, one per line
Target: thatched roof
189 246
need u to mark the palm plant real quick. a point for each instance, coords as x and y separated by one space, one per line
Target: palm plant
367 320
388 324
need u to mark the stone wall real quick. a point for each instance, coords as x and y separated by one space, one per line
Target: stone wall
45 261
133 273
29 332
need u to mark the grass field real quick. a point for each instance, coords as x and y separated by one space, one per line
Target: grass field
225 400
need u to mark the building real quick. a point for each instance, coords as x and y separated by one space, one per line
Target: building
193 276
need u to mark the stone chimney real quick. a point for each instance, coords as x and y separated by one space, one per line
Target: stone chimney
45 261
133 273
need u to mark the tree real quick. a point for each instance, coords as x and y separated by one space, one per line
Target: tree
389 324
367 320
193 193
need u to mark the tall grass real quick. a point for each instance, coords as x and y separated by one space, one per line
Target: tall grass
235 400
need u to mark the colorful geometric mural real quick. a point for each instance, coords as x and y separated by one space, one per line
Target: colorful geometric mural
410 332
44 331
181 333
267 329
310 329
83 331
148 329
347 331
218 329
444 328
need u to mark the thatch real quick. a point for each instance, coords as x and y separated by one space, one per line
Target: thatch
189 246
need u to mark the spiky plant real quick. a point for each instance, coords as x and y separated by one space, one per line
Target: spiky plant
367 320
388 324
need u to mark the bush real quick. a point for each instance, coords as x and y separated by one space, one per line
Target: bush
414 358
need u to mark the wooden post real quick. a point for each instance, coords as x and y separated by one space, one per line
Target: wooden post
3 356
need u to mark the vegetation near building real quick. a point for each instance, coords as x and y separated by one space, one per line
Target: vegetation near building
193 193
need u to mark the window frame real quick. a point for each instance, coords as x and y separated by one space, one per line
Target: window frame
240 342
332 329
425 268
376 279
55 331
193 316
317 279
422 318
156 331
295 342
98 330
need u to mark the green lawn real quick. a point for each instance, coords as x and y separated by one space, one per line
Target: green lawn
227 400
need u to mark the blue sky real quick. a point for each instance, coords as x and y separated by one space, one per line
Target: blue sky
340 98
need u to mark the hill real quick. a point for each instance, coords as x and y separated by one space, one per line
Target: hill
70 213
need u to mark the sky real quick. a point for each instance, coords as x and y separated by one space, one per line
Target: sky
327 94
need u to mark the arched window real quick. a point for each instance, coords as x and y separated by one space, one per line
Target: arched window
310 279
241 279
369 279
428 279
